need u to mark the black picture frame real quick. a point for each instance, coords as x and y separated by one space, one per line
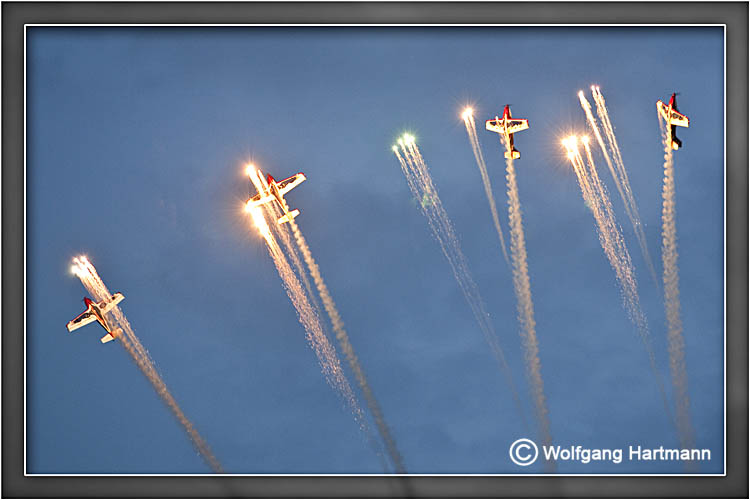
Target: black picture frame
17 14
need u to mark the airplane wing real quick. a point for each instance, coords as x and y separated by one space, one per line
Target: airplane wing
678 119
83 319
259 199
675 118
516 125
290 183
662 109
107 305
494 125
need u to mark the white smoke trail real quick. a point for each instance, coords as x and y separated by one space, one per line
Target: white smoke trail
95 286
304 303
595 128
616 251
273 211
420 183
675 338
471 130
309 317
524 303
617 169
348 349
327 357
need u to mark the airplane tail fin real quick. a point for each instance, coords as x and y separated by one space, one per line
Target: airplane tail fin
514 154
289 216
111 336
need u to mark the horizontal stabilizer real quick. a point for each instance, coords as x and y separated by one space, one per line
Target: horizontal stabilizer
111 336
289 216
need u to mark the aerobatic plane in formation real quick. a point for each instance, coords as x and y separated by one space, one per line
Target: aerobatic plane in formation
507 126
673 118
95 311
275 191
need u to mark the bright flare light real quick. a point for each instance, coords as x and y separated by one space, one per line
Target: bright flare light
79 266
569 142
249 169
585 139
467 113
571 145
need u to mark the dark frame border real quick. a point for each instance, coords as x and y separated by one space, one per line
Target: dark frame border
733 14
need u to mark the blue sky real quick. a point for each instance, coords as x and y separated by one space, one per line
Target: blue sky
136 141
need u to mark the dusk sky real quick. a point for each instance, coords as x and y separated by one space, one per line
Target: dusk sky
136 143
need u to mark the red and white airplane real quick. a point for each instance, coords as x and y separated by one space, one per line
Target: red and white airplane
95 311
275 191
507 126
673 118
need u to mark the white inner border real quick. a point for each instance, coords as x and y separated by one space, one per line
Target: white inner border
25 26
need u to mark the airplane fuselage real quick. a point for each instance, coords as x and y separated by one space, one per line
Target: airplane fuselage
676 143
509 138
94 308
671 110
274 188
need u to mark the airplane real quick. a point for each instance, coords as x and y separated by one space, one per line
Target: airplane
673 118
95 311
507 126
276 191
